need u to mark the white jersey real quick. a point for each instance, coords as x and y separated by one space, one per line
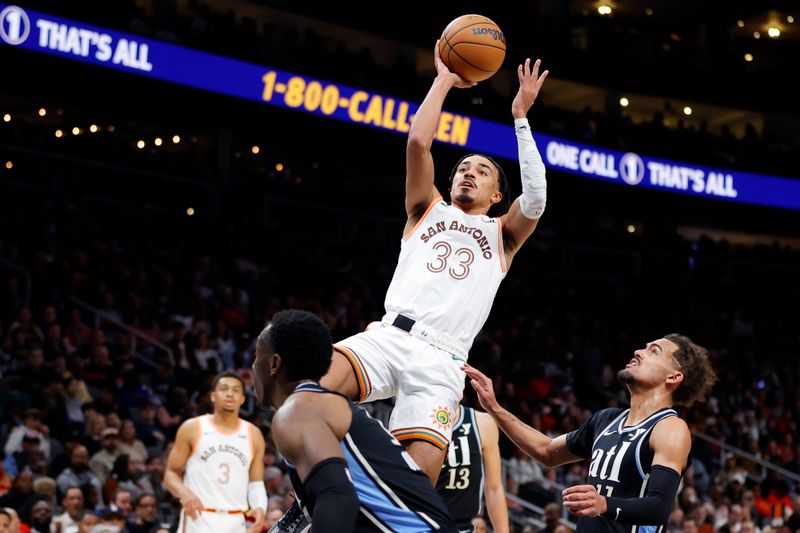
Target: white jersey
450 267
218 470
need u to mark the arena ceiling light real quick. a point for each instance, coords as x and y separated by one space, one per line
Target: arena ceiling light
604 9
624 102
774 32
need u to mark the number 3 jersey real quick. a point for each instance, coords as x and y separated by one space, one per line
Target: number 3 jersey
450 267
218 470
621 459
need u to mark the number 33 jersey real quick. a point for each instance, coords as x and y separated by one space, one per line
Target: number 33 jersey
450 267
218 470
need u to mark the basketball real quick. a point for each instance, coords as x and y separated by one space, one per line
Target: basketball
473 47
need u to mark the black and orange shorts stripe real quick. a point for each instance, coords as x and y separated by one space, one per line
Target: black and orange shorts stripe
421 433
362 377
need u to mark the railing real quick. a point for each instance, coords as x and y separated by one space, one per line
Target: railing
727 448
536 512
102 316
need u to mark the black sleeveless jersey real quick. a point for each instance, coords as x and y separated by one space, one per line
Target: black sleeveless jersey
461 479
621 459
394 494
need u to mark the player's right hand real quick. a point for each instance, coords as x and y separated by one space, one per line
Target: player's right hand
483 387
192 505
444 72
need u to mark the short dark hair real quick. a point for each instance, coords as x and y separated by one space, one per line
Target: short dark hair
227 374
698 376
501 207
138 501
302 340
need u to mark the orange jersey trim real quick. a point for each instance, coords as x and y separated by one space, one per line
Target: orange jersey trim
421 433
419 222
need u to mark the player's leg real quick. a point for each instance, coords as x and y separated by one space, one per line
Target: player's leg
363 366
341 376
428 395
429 457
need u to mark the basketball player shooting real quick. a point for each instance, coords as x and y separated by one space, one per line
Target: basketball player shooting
453 257
216 467
637 455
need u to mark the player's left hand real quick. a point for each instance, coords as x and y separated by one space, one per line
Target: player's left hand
530 83
259 520
583 500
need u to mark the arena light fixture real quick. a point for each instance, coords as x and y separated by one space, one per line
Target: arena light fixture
279 167
42 111
756 35
790 19
190 211
255 149
774 32
140 144
176 139
111 128
631 228
748 57
76 130
59 134
687 110
9 165
93 128
648 12
604 9
740 23
624 102
158 141
7 118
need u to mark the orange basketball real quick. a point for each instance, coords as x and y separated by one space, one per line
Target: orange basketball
473 47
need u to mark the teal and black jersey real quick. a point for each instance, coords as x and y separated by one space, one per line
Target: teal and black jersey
461 480
621 459
394 494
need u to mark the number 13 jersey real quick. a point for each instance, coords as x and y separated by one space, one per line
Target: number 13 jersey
450 267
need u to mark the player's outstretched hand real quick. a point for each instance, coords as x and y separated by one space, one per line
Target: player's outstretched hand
483 387
583 500
530 83
192 505
444 72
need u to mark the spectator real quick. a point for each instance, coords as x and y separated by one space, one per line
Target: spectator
103 461
31 425
153 481
121 501
78 474
129 444
38 514
68 521
145 514
5 521
88 521
20 493
14 527
126 475
273 480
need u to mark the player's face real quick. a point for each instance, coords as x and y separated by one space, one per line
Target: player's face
228 396
475 183
652 364
262 378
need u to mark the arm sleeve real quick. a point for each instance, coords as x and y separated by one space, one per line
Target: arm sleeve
532 171
655 507
334 498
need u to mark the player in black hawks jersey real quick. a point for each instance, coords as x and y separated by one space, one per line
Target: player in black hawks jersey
637 454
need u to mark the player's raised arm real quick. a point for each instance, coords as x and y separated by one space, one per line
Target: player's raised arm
526 210
309 443
176 464
420 190
548 451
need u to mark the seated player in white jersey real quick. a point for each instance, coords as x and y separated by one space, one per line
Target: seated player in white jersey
452 260
348 473
472 470
638 455
216 467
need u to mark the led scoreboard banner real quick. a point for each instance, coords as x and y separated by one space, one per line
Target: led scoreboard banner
40 32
